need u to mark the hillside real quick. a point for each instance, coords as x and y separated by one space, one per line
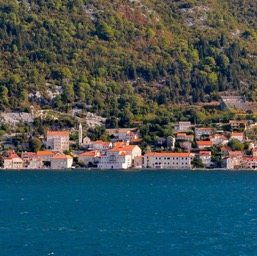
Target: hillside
125 58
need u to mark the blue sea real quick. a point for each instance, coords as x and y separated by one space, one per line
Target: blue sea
128 213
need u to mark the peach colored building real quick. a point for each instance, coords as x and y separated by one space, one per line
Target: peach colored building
45 155
12 161
61 161
89 157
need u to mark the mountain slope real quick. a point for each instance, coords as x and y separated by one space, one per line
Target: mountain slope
125 56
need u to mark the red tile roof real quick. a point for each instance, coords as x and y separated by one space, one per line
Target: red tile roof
58 133
204 143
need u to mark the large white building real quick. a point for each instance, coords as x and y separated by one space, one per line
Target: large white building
117 159
120 157
168 160
58 140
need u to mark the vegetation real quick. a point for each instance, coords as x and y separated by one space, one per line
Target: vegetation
125 60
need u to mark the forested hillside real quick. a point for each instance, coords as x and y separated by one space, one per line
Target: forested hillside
125 58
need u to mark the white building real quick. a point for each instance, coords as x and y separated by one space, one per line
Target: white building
205 156
46 155
61 162
100 145
184 126
219 139
115 159
122 156
58 140
89 157
203 131
238 135
127 134
12 161
203 144
168 160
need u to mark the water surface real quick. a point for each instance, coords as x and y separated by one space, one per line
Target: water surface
128 213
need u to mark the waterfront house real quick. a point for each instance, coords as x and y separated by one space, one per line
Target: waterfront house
115 159
168 160
12 161
234 160
89 157
58 140
205 156
61 162
46 155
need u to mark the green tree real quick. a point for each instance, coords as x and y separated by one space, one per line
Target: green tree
35 144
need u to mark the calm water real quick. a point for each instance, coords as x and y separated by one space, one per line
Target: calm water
128 213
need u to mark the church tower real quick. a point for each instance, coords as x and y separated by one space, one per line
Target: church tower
80 135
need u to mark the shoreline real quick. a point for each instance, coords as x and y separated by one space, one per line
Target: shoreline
125 170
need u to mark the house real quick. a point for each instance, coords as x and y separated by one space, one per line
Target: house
127 134
203 144
186 145
12 161
115 159
183 126
225 150
218 139
202 131
58 140
100 145
233 160
249 162
205 156
238 124
89 157
46 155
238 135
168 160
122 156
184 136
132 150
61 162
34 163
28 155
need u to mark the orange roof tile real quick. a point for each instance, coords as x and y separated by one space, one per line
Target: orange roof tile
205 153
62 157
237 134
58 133
46 152
204 142
88 153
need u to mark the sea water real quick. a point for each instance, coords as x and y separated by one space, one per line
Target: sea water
128 213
